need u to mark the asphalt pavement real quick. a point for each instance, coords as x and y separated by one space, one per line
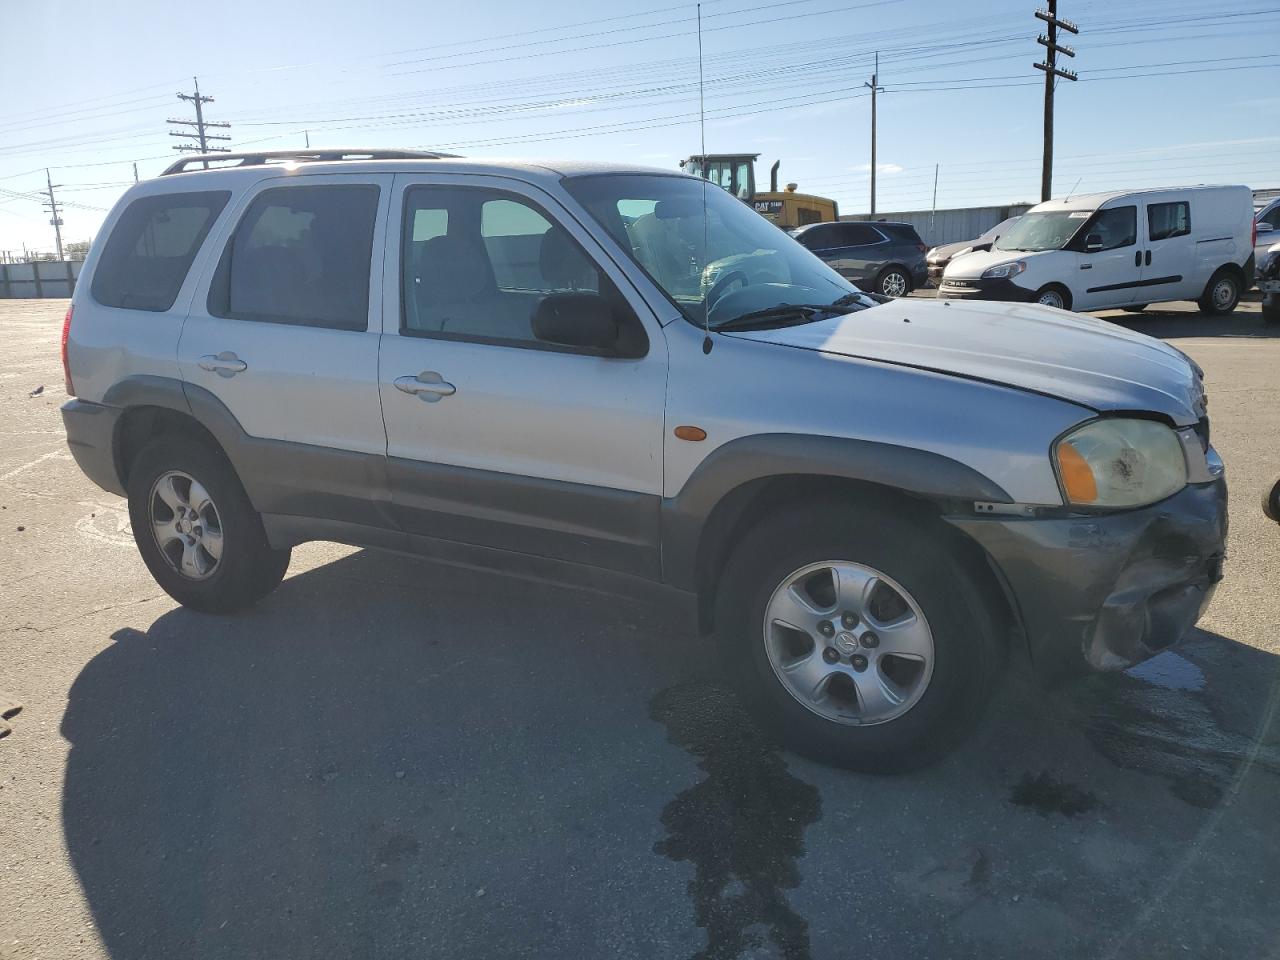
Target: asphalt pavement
389 758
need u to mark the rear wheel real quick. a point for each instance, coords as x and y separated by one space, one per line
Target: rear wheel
196 530
1221 295
1054 295
893 282
856 637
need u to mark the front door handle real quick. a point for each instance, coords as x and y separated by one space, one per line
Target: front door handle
1148 259
428 386
224 364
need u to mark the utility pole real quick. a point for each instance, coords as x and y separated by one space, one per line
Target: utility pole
934 209
1051 72
54 217
202 126
875 88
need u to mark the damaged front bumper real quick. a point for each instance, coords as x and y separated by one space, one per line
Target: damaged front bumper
1108 591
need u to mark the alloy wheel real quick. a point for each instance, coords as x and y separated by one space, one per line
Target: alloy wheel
186 525
848 642
894 284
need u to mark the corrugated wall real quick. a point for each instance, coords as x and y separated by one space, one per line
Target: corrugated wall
41 278
949 226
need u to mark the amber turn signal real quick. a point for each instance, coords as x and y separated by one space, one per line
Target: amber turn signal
691 433
1076 475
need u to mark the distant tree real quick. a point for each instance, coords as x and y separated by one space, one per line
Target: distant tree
76 249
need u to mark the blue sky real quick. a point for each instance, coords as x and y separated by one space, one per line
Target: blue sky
1173 92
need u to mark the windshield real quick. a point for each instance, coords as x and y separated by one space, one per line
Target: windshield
1043 231
715 268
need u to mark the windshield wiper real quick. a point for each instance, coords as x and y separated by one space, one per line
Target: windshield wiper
784 314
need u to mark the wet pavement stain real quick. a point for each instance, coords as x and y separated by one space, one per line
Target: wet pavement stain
1046 794
742 827
9 708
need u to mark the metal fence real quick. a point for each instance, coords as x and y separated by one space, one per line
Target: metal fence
39 278
949 226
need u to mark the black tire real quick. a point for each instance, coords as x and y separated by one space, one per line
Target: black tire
895 278
248 568
1271 309
1213 301
1271 502
1135 307
922 559
1063 293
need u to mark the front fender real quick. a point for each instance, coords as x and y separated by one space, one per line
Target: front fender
747 459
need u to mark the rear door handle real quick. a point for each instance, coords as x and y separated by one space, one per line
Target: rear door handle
1137 259
428 386
224 364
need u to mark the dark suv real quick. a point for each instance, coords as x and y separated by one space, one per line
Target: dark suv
879 257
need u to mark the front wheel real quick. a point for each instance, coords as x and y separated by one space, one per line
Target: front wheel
196 529
894 282
1054 295
1221 295
856 637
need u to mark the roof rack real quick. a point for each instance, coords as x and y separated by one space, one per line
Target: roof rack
221 161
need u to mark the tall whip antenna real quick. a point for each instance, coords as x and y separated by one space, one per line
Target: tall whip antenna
702 131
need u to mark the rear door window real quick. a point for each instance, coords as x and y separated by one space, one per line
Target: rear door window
148 254
858 235
301 255
1165 220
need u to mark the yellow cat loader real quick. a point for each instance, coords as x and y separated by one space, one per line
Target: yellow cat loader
736 172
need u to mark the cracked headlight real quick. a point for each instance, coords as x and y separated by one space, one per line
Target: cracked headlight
1120 463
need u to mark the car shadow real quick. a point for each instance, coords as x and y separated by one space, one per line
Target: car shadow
387 758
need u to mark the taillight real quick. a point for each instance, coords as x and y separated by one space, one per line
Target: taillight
66 366
1255 233
922 248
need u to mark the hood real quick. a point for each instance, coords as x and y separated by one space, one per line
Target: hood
1025 346
945 251
971 265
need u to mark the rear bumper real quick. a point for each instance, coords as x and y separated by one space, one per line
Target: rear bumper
91 431
1005 290
1106 592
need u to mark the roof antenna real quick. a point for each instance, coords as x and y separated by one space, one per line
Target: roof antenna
1073 189
702 130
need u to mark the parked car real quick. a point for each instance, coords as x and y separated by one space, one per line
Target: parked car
1266 231
532 369
1269 283
938 257
1119 250
880 257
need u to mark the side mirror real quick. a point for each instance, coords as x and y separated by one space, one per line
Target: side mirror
583 320
1264 227
1092 243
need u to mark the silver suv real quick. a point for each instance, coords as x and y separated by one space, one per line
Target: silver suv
616 376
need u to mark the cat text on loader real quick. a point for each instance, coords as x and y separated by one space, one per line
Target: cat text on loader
736 172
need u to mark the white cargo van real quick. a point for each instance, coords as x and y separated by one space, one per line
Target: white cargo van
1118 250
